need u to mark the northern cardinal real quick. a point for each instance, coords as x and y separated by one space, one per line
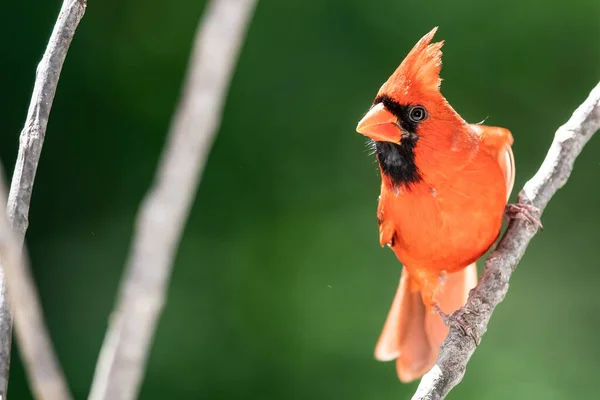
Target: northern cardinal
445 184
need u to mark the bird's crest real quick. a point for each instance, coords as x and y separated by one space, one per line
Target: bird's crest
419 73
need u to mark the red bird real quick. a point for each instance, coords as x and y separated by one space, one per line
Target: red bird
445 184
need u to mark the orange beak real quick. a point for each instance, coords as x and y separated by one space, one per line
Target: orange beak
380 125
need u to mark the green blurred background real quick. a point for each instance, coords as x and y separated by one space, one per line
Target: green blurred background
280 288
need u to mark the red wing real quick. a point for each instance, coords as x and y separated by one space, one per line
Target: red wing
497 142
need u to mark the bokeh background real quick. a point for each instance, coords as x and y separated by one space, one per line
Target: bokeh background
280 288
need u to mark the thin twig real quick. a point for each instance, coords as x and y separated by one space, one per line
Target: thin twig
458 347
13 259
43 370
163 213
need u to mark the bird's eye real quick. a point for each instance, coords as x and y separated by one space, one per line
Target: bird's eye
417 114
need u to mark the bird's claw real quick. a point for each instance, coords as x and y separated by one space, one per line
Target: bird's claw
465 327
457 317
524 212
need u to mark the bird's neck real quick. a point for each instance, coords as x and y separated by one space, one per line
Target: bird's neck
429 157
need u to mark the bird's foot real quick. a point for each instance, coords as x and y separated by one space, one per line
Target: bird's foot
466 328
458 317
524 212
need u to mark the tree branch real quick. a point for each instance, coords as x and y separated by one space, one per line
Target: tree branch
43 370
458 347
163 213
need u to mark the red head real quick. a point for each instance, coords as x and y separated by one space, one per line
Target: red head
409 115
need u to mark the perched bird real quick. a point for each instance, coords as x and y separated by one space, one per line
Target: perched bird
445 184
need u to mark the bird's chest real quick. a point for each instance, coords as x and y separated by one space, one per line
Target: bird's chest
444 227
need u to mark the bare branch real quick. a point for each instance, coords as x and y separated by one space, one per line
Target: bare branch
32 136
163 213
45 375
458 347
44 372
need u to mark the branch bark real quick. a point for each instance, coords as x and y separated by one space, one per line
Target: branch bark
458 347
163 213
44 372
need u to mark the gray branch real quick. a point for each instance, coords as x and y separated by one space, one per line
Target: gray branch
164 211
458 347
43 370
